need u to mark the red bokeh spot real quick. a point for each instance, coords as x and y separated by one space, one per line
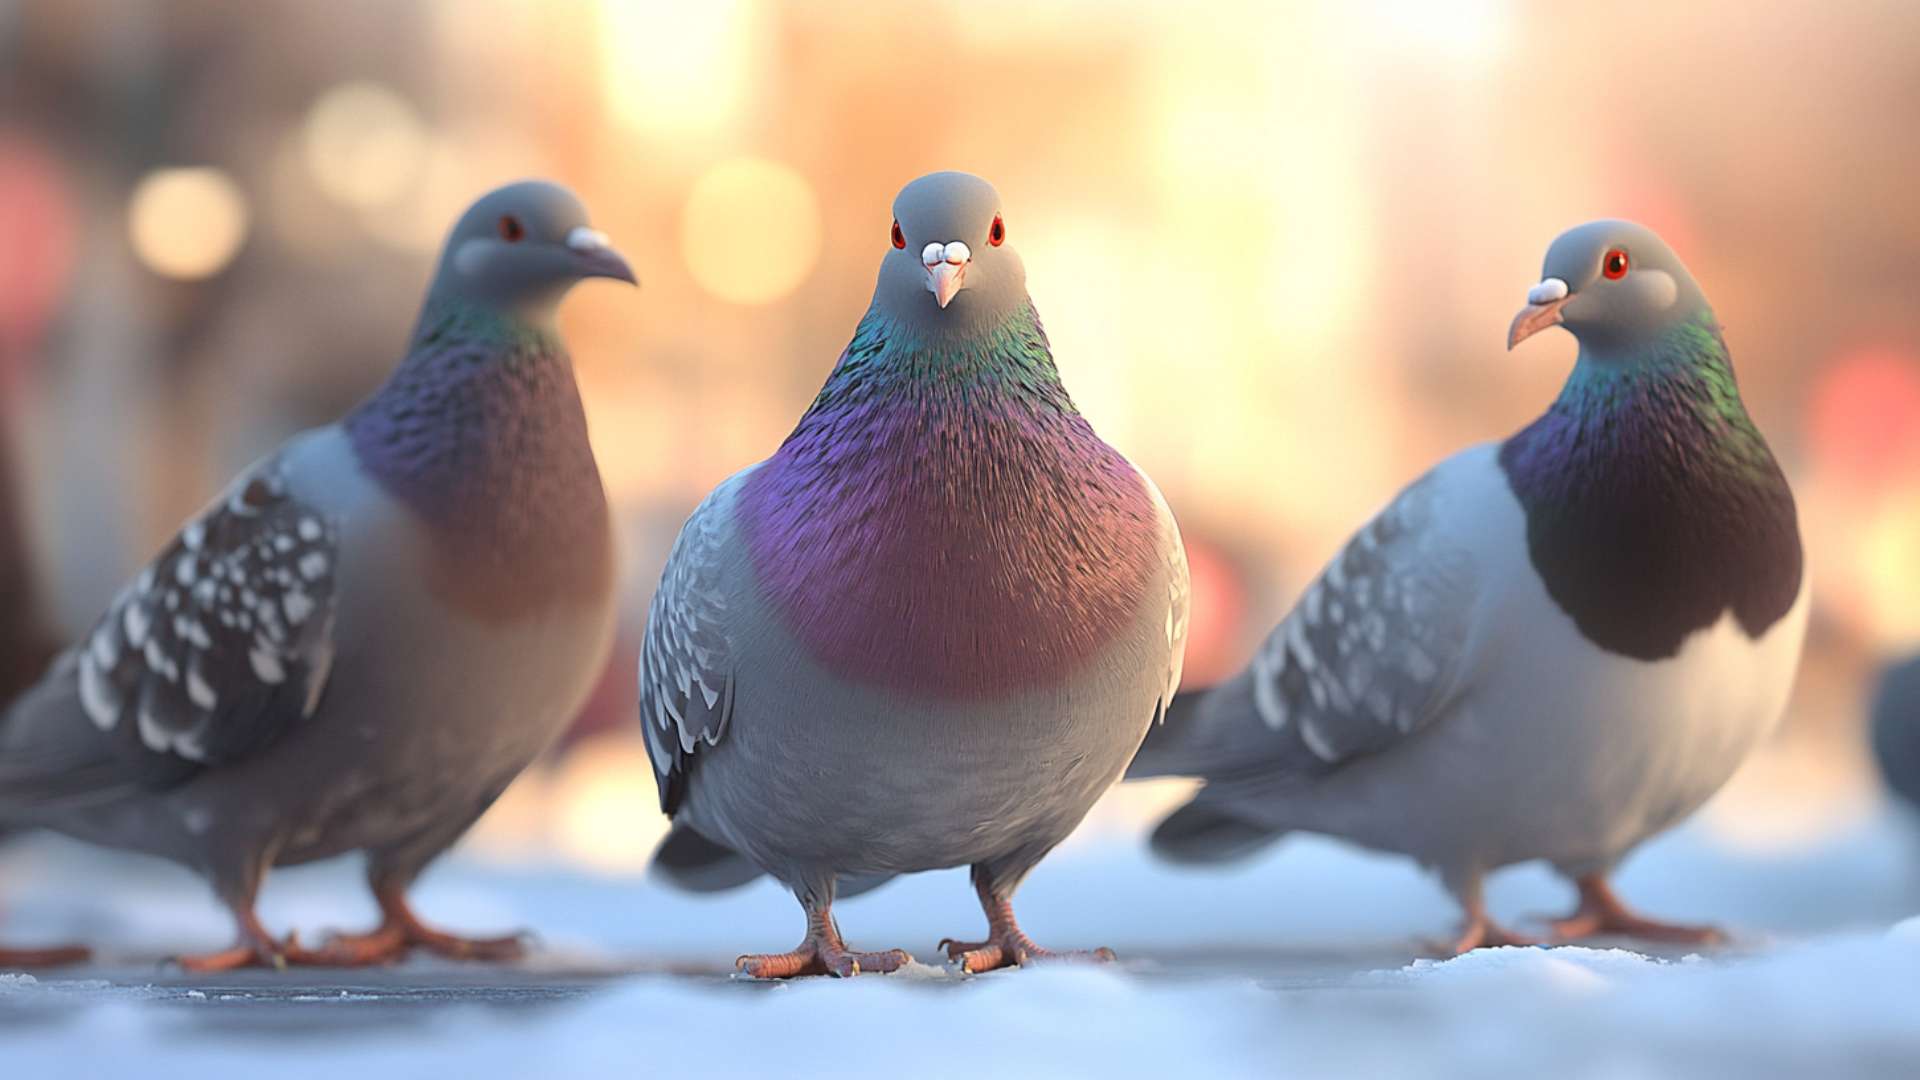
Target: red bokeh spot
1864 424
1217 610
37 255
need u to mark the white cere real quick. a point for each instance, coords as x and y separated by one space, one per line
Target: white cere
1549 290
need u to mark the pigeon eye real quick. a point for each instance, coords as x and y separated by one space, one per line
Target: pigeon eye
1614 266
997 235
899 238
510 229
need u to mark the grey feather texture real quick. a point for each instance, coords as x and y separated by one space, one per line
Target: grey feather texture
374 630
840 682
227 636
686 663
1429 695
1376 641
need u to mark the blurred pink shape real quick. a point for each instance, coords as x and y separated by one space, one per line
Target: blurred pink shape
37 254
1864 421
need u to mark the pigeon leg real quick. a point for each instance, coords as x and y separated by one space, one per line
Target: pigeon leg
256 948
822 953
401 931
1006 945
1602 914
1478 930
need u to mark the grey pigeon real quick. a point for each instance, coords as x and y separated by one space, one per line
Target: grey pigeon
1551 647
1896 729
931 629
363 641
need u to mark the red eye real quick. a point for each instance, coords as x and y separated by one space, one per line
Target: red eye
899 238
997 235
510 229
1614 266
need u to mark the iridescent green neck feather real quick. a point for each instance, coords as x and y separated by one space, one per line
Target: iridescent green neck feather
944 522
1654 505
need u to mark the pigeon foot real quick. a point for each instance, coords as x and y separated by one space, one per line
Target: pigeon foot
1480 932
822 953
1015 949
1007 945
255 949
58 956
1601 914
820 959
401 931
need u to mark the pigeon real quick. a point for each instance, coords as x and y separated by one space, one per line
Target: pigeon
1550 647
930 630
1896 729
371 632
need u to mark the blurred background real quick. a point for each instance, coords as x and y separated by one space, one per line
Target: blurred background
1276 247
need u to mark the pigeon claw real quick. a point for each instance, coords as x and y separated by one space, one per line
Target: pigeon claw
820 958
254 951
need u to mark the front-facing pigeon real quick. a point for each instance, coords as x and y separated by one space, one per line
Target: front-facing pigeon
931 629
1550 647
364 640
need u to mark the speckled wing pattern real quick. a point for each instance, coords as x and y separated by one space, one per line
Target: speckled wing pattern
686 674
225 640
1374 648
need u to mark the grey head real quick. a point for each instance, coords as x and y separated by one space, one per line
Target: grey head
1614 284
519 248
950 269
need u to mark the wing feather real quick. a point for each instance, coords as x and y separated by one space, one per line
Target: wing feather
218 647
686 663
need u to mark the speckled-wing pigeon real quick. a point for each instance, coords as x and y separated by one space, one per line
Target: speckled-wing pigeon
1548 648
373 631
932 628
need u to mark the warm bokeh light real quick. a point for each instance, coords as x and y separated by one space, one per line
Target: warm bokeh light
187 223
1276 250
750 231
678 69
1889 569
365 144
608 813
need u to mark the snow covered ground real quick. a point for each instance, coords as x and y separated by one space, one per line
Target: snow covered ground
1304 961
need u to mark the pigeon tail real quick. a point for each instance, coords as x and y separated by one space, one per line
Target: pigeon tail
690 861
1177 743
1204 832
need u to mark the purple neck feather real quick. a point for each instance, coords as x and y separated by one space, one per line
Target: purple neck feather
943 521
481 433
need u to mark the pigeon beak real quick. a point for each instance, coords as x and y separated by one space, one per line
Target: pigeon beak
1544 302
594 256
945 281
946 269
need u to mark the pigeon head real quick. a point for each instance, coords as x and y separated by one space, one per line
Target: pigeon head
949 268
521 247
1614 284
